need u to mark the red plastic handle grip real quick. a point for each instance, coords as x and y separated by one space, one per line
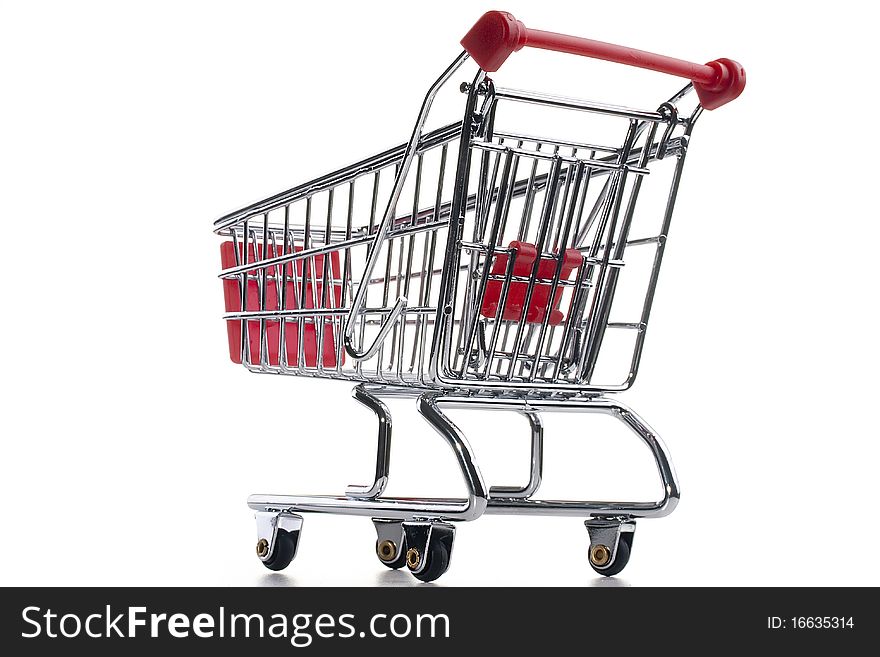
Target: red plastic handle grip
498 34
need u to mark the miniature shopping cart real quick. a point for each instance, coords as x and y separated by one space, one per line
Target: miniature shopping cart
480 265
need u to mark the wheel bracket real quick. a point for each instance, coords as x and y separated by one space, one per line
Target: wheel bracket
420 536
389 532
268 524
605 536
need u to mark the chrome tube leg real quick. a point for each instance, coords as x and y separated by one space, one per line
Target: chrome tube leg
383 452
477 495
671 490
399 508
537 463
523 505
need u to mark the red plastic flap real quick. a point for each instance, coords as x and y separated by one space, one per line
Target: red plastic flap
314 298
525 255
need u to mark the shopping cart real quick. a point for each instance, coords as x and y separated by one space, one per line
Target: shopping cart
477 266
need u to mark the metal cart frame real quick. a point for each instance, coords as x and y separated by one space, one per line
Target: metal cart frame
476 325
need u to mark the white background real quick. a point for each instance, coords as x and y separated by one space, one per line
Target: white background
130 441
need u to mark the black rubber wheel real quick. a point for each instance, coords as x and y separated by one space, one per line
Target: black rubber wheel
438 562
399 561
624 545
285 550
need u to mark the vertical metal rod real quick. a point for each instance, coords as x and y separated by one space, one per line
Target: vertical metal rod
261 283
359 367
375 201
344 294
428 275
516 160
504 194
582 202
407 271
484 198
282 293
407 274
546 216
562 236
658 260
303 287
575 311
245 325
503 345
562 206
418 338
600 205
398 281
481 210
442 340
325 289
499 312
606 284
529 202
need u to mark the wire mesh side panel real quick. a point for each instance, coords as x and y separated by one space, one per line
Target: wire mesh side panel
411 259
543 297
292 263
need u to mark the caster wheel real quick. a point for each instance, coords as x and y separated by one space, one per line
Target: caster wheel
390 554
438 561
285 550
599 554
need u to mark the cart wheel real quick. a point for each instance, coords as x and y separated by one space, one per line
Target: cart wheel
438 561
620 561
285 550
390 554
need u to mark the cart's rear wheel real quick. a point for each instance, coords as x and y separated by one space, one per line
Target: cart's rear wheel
285 550
620 560
437 561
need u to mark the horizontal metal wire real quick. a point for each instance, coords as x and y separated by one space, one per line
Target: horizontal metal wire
565 102
602 165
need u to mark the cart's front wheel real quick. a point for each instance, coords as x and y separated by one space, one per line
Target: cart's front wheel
285 550
391 554
437 561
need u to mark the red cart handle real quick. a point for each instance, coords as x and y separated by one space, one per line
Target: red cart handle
497 34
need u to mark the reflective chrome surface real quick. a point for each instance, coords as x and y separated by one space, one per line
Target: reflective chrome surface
478 502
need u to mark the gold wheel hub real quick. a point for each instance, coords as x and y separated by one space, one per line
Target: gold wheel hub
413 558
600 555
386 550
